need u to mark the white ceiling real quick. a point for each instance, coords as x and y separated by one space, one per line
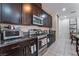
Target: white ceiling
56 8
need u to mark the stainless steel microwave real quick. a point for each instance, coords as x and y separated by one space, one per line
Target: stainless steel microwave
37 20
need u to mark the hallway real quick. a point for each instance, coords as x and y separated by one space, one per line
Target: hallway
61 47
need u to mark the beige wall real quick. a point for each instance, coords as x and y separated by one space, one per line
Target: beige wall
53 22
55 25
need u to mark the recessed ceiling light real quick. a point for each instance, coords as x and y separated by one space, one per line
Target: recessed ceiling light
43 16
64 9
27 8
65 16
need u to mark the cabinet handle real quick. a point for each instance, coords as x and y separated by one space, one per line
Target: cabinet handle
15 47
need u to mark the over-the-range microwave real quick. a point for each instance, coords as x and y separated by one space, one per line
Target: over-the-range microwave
37 20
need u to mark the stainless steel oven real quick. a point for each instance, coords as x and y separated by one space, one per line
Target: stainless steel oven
11 34
42 44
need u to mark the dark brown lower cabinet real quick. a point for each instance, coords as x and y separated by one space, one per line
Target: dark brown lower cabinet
19 49
52 37
10 50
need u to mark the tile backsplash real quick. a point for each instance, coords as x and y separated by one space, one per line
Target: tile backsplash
25 28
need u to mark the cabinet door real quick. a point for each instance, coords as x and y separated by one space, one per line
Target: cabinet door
11 13
45 18
37 4
45 22
50 21
32 47
0 12
36 10
26 14
10 50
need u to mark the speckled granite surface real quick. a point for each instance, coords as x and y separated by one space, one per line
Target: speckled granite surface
6 43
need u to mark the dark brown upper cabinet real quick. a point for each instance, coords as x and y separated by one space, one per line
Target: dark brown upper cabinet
37 4
0 12
39 12
26 14
50 21
46 20
28 10
36 10
17 13
11 13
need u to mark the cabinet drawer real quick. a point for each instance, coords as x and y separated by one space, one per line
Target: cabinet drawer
9 47
10 50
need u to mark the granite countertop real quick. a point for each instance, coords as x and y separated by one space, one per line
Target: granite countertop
6 43
76 35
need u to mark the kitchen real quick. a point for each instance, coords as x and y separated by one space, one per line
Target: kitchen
25 29
39 29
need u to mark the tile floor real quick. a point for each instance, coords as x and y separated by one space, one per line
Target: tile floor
61 47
